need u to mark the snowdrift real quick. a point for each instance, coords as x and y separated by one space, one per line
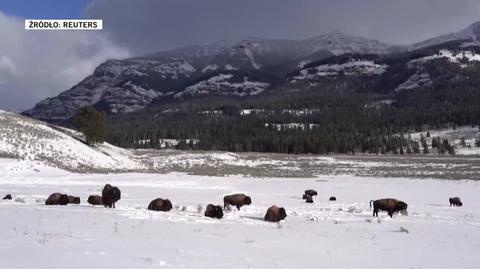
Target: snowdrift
28 139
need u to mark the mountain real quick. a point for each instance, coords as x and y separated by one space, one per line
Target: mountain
470 34
244 68
251 68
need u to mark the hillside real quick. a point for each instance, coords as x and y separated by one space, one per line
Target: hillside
29 139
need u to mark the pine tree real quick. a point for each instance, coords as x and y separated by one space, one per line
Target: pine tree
92 124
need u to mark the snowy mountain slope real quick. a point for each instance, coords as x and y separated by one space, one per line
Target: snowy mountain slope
353 68
471 35
122 86
29 139
132 84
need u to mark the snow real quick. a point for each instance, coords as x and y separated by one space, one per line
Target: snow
220 84
210 67
358 67
230 67
454 137
250 56
453 57
303 63
340 234
28 139
419 79
288 126
174 69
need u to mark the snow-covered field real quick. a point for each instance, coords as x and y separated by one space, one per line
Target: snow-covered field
339 234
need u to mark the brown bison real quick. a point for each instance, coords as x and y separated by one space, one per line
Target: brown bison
311 192
57 199
308 199
390 205
160 204
214 211
275 214
237 200
95 200
110 195
455 201
7 197
73 200
333 198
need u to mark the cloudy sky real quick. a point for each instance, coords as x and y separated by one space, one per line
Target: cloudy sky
36 65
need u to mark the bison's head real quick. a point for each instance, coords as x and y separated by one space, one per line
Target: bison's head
73 200
219 211
283 213
116 194
247 200
167 204
402 208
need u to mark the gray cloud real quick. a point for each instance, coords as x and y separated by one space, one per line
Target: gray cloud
146 26
39 64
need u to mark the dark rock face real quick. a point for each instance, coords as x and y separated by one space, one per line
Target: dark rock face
7 197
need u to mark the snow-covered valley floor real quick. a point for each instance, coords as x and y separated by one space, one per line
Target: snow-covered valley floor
340 234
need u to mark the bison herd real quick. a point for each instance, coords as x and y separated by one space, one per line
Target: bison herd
112 194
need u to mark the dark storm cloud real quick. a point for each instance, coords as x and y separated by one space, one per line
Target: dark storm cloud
150 25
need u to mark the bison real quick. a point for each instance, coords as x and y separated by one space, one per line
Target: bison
57 199
390 205
311 192
110 195
73 200
160 204
333 198
7 197
95 200
237 200
455 201
275 214
308 199
214 211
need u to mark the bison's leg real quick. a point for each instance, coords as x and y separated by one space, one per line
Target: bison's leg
390 213
113 205
238 207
